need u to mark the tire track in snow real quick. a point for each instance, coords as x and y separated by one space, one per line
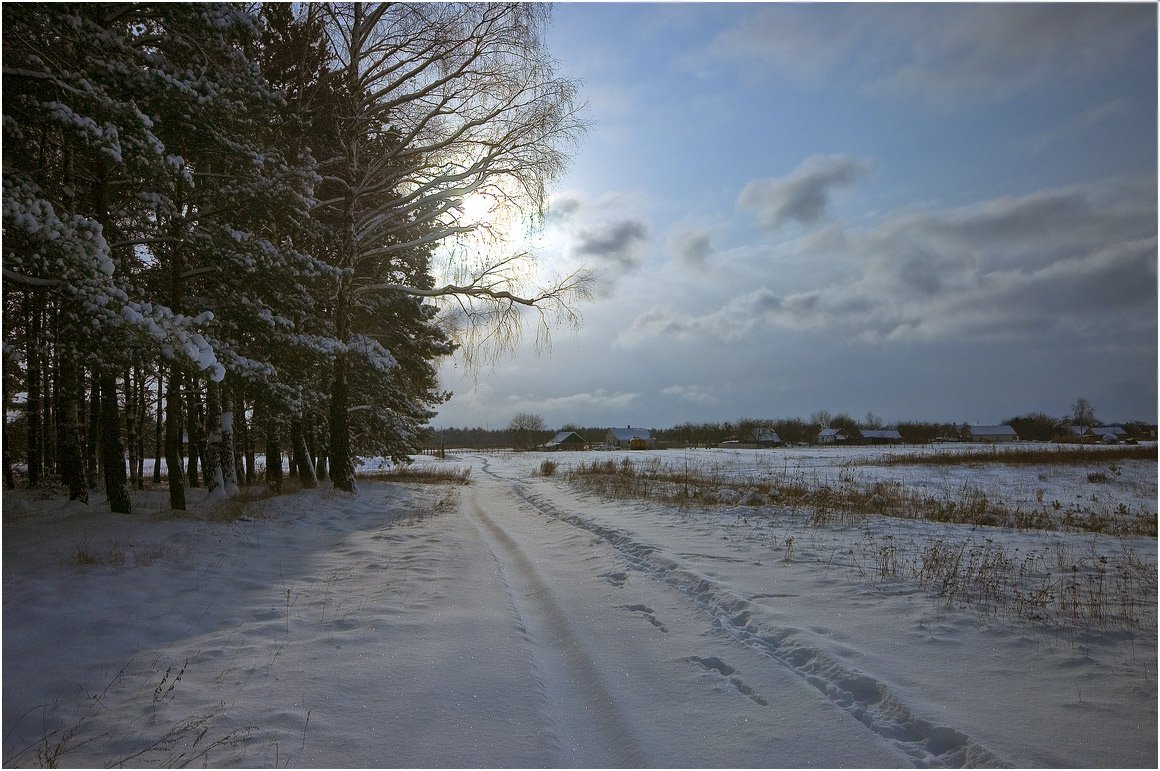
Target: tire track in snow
866 699
586 722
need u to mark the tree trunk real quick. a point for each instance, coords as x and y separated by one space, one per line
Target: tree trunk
94 416
228 457
220 477
72 462
273 453
52 384
302 455
35 343
112 450
9 477
341 468
159 435
214 484
173 465
193 423
131 426
142 415
243 465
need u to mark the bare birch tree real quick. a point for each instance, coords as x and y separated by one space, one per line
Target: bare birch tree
436 104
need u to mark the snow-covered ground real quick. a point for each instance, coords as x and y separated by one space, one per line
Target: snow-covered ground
524 621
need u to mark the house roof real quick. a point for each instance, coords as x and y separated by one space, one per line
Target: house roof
765 435
628 434
831 432
880 433
1105 430
564 436
993 431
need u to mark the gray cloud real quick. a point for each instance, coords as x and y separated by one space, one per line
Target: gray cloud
605 234
989 51
692 248
799 41
1086 121
1072 260
613 243
804 194
951 55
564 208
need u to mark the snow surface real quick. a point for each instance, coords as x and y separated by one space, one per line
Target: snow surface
520 621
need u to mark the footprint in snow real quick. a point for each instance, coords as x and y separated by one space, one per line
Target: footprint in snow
714 664
647 613
616 579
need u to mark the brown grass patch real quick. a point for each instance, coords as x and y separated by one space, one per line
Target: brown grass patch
1019 455
421 475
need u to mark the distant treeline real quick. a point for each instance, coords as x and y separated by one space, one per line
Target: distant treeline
1032 427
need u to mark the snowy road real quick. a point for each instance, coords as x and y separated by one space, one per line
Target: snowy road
645 663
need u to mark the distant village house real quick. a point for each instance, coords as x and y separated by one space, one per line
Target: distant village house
755 440
1107 434
832 436
566 440
881 436
630 438
993 434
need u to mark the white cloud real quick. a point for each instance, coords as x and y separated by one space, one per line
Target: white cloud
600 398
690 393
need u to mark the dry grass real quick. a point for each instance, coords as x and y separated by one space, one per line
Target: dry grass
849 501
126 553
1021 455
1056 585
232 509
422 475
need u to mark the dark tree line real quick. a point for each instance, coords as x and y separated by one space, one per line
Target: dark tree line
234 229
524 432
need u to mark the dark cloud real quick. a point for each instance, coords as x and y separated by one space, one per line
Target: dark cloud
605 235
613 244
611 248
803 195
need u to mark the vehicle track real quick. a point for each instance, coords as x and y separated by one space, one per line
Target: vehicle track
868 700
584 719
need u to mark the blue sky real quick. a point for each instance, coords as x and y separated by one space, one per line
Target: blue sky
930 212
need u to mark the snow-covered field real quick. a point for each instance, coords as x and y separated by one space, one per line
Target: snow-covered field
522 620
